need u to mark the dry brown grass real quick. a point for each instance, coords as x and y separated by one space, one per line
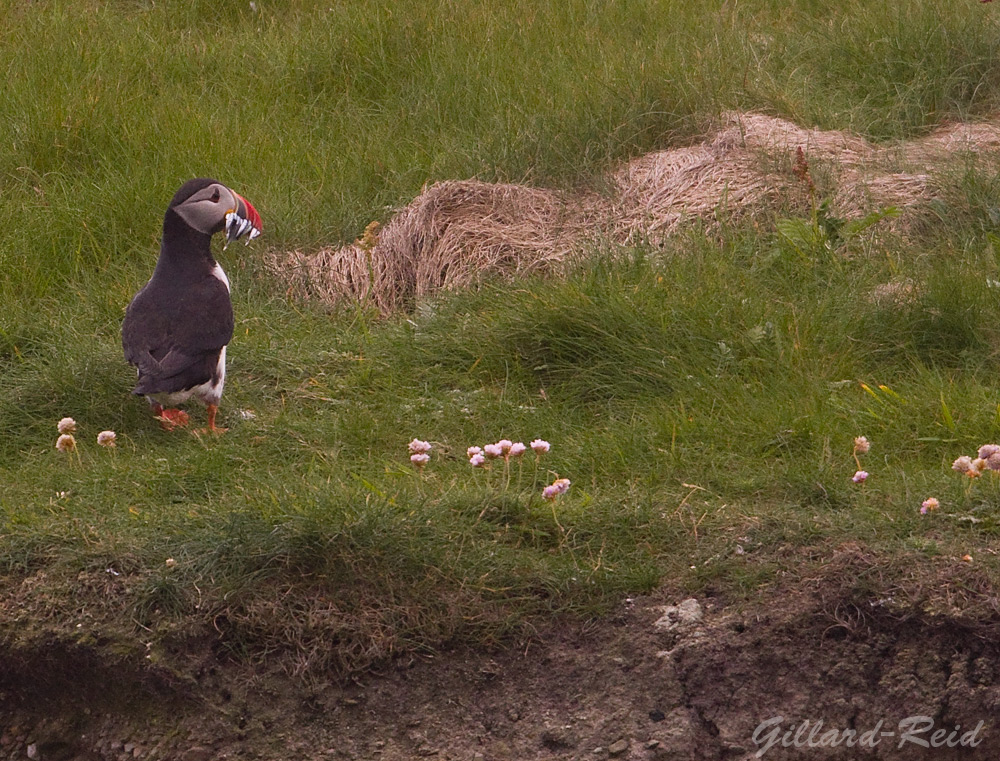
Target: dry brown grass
453 235
458 232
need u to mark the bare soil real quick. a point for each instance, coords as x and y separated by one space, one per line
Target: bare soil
662 678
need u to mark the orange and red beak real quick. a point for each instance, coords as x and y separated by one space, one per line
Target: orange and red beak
243 220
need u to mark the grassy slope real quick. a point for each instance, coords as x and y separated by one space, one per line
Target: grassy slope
702 400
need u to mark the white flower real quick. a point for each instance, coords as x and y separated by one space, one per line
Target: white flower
473 451
419 447
66 443
477 460
517 449
861 445
492 451
538 446
106 438
420 459
67 425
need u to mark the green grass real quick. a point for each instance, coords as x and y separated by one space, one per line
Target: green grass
703 398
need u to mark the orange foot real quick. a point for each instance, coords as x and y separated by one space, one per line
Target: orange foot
172 418
211 428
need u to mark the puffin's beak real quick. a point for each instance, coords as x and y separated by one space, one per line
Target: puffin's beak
242 220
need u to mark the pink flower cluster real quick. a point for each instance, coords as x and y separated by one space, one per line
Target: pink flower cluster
987 458
861 446
67 441
505 448
418 453
480 457
557 487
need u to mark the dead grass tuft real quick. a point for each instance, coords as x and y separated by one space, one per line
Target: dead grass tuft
456 233
452 236
951 140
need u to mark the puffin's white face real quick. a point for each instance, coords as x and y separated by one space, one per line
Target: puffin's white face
216 207
206 210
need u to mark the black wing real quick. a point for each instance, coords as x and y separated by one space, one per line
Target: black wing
173 335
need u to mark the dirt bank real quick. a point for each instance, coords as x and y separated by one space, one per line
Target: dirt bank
664 678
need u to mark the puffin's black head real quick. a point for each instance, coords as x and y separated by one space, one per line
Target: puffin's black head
209 207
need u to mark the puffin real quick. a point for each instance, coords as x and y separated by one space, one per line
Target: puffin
177 326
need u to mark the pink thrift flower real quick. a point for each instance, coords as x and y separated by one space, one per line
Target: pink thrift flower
860 476
106 438
963 464
517 449
988 450
477 460
557 487
420 459
505 445
67 425
419 447
538 446
861 445
492 451
929 505
66 443
473 451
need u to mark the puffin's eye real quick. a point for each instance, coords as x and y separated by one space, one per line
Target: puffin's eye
215 195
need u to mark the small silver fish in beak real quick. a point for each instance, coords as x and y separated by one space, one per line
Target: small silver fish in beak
243 220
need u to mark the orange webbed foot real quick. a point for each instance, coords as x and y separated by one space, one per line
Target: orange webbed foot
173 418
211 427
